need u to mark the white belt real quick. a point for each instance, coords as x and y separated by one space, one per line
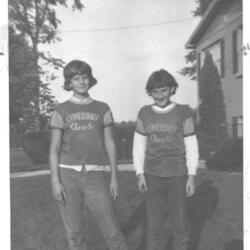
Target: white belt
88 167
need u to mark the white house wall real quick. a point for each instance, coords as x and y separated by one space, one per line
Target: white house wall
227 19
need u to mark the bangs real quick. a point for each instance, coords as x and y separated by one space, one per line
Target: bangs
76 71
160 79
77 68
160 84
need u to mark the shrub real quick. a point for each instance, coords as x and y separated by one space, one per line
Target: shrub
36 145
14 135
124 134
228 157
207 145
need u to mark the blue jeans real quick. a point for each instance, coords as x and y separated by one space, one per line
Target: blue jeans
166 196
91 188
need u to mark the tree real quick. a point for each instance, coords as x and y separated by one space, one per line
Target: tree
190 71
212 107
190 58
202 7
22 85
37 22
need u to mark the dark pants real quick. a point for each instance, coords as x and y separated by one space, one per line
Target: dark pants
91 188
166 195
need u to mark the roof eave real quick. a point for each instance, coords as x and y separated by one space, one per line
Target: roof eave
194 38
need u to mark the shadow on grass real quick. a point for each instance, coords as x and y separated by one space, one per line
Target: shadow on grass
138 218
236 244
201 208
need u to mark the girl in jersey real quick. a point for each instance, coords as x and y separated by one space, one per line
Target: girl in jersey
82 144
165 156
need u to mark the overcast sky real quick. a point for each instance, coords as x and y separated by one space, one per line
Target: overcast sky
122 59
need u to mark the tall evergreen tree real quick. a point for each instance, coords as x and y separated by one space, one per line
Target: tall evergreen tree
212 108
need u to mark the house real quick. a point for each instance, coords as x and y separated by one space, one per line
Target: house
220 33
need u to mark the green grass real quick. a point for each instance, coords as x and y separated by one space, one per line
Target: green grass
215 213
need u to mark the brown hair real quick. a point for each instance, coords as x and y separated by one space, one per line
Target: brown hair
159 79
77 67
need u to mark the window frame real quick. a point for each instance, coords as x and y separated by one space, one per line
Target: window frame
237 53
221 43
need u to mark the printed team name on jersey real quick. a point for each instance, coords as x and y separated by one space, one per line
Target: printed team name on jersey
161 127
157 132
75 126
82 116
159 139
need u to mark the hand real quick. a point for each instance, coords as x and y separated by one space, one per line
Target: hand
114 188
59 192
190 186
141 182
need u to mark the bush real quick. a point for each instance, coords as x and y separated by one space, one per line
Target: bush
14 135
228 157
208 144
124 134
206 147
36 145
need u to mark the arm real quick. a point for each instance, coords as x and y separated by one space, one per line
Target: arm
139 148
57 187
192 154
192 158
111 152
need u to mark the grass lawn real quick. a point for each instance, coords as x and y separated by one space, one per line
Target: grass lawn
215 213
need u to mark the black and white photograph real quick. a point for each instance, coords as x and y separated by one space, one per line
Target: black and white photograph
123 124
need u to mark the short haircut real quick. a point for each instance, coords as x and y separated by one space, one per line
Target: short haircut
160 79
77 67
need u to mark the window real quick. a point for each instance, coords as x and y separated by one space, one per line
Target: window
237 126
237 51
217 51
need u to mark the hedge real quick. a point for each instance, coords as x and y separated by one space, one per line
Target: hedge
228 157
36 145
124 134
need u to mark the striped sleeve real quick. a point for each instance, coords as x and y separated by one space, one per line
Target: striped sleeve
188 122
188 127
57 121
108 119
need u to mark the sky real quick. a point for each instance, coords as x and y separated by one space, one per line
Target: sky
123 59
